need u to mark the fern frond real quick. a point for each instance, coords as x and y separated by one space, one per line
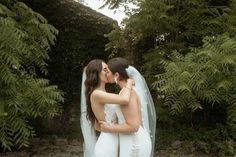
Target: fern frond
24 46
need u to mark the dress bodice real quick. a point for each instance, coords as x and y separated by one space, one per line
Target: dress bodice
108 143
110 113
120 116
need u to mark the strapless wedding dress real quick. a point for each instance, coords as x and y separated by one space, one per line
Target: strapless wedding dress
108 143
136 144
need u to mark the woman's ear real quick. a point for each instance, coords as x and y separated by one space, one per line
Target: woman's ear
117 75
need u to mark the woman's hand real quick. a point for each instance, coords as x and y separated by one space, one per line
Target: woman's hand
105 127
130 81
97 126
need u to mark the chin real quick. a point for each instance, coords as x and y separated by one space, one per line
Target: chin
106 81
111 81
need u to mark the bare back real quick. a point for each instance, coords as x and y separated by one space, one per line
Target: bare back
98 109
132 112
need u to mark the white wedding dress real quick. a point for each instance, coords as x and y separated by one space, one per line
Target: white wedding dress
108 143
136 144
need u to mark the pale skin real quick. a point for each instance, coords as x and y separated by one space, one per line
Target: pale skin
131 112
100 97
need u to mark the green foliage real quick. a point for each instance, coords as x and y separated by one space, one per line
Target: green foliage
174 25
203 77
24 43
119 42
215 141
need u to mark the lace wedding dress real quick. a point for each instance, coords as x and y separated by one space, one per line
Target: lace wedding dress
107 143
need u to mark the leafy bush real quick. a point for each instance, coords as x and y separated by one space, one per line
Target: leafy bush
25 39
204 77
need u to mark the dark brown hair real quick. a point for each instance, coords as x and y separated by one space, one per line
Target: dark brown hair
119 65
93 70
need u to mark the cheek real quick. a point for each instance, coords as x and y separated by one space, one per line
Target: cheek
104 76
110 77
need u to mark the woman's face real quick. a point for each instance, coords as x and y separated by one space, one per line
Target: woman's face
110 76
103 73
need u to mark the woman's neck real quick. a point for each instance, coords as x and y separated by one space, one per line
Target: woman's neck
122 84
102 87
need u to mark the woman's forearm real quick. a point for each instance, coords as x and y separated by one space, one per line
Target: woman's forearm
122 128
126 92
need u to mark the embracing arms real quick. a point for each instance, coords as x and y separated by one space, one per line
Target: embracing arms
132 116
102 97
119 128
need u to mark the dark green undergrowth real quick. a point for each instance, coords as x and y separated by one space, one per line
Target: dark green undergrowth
219 140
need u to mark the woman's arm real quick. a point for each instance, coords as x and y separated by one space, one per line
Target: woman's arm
109 98
132 118
118 128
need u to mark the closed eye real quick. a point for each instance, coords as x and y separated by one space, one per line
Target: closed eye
105 70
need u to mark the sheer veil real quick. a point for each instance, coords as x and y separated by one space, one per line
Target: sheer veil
147 105
87 129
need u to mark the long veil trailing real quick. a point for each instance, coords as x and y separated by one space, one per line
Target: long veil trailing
87 129
147 105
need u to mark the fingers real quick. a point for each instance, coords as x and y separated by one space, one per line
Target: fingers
132 80
102 122
133 83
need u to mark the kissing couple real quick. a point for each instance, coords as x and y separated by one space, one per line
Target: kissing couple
126 121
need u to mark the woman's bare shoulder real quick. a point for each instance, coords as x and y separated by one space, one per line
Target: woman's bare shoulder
97 93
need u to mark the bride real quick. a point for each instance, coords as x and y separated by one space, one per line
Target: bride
138 114
96 105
